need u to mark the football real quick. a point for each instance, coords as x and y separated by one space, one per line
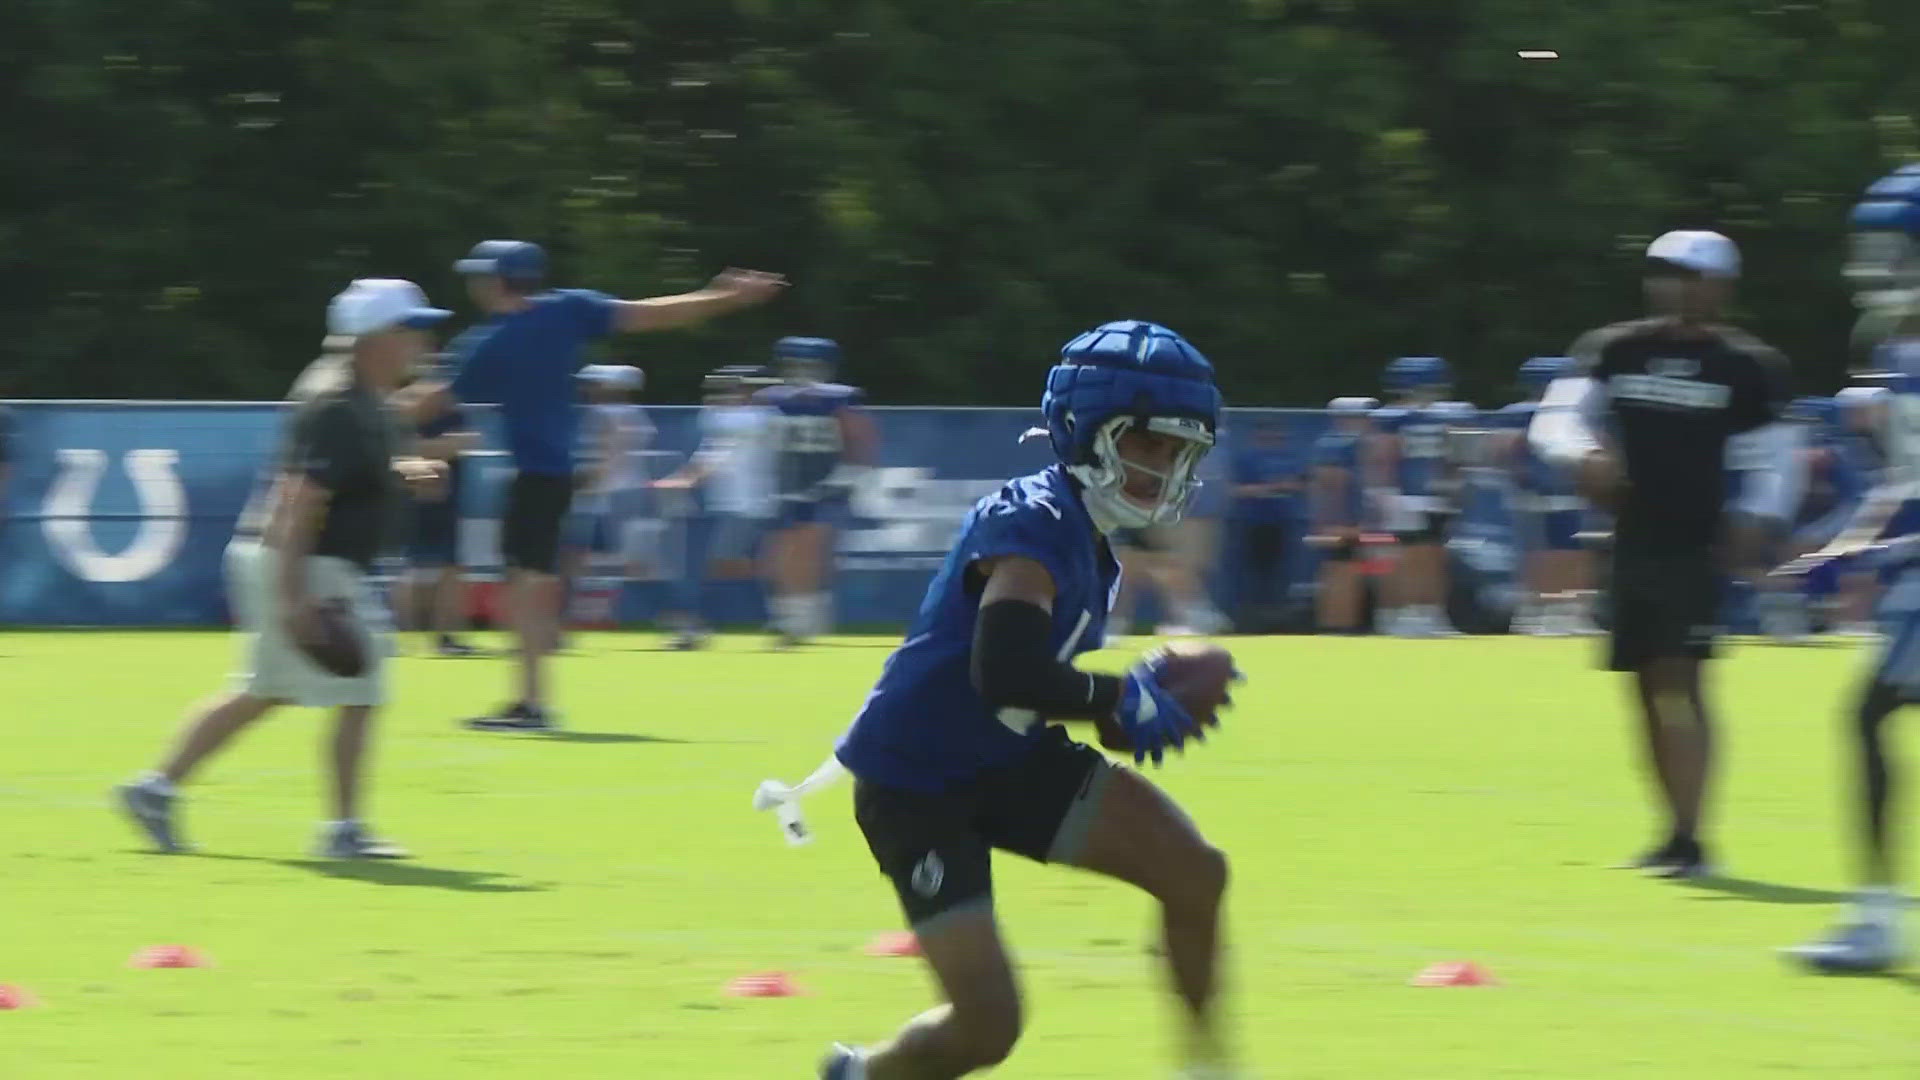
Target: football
1199 674
334 643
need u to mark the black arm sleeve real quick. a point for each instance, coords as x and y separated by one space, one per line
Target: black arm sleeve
1013 667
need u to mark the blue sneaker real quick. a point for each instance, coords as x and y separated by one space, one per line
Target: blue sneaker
844 1063
1855 948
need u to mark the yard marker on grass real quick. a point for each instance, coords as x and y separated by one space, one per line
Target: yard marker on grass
784 801
12 997
1455 973
768 984
894 943
168 956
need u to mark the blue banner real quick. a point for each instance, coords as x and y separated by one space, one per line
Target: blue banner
116 513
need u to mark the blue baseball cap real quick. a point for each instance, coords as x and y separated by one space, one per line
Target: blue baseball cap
515 260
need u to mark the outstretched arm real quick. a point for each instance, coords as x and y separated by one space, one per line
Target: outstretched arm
730 290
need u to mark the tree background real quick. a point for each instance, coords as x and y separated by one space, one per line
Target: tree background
956 186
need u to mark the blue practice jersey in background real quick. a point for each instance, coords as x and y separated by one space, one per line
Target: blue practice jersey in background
1422 441
924 727
805 435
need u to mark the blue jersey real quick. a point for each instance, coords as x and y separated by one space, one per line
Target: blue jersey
805 434
924 727
524 361
1422 441
1341 450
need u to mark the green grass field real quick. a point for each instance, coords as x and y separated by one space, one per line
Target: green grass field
578 902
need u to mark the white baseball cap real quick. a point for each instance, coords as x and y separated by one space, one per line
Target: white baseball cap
621 376
371 305
1705 253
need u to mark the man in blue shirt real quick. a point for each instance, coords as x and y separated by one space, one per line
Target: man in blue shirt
953 754
523 357
1339 512
1267 481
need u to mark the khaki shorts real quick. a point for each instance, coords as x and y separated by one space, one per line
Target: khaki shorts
271 665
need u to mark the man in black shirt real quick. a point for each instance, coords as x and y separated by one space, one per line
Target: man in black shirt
311 541
1644 419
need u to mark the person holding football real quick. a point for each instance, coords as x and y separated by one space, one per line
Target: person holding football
297 567
960 750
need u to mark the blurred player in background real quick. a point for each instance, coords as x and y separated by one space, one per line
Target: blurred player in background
1267 484
1863 420
436 596
1338 513
307 538
1886 275
1645 416
1556 567
1829 492
1407 458
613 435
823 443
731 466
523 357
6 457
953 754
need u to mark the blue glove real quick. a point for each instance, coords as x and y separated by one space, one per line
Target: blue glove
1151 717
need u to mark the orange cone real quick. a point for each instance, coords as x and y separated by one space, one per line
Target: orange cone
768 984
168 956
12 997
1455 973
894 943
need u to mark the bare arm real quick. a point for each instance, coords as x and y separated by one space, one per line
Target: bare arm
299 509
447 447
731 290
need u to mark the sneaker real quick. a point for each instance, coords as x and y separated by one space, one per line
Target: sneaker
518 717
453 646
1647 860
844 1063
1686 860
687 641
152 811
350 840
1851 948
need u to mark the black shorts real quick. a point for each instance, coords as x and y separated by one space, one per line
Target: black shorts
1430 527
436 534
938 849
530 531
1663 606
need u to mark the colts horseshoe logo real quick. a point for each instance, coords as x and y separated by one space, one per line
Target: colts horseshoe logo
65 517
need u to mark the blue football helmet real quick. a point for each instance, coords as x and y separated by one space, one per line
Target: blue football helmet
1418 375
806 359
1111 378
1540 371
1883 263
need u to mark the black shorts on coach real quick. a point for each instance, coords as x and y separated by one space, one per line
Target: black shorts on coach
938 849
530 532
1663 605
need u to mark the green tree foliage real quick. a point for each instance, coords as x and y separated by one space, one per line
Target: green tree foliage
1305 188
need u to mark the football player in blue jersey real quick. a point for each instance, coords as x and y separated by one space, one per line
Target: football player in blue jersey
953 753
1408 456
1557 570
1885 270
1338 512
822 444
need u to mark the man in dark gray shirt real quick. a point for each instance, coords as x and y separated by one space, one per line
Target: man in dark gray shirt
310 542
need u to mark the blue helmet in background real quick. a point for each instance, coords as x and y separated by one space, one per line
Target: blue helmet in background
1116 376
806 359
1539 371
1412 374
1883 263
